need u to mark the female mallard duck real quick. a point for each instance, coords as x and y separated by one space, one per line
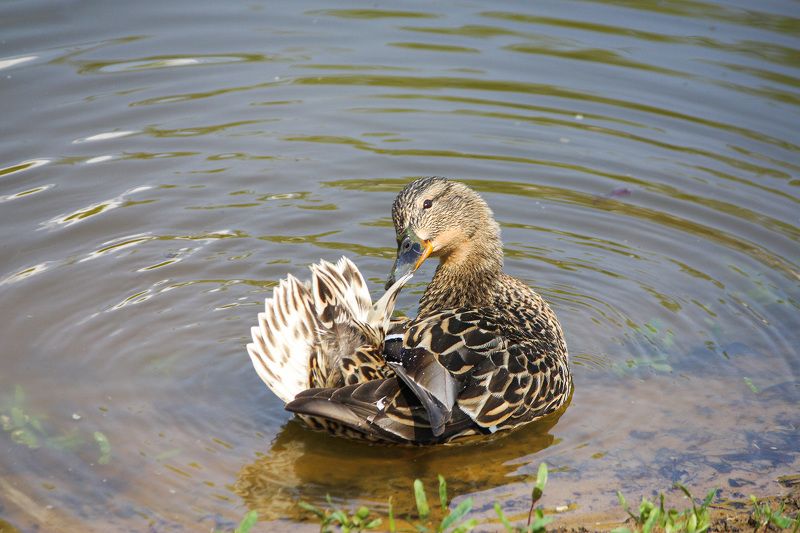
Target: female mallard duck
485 352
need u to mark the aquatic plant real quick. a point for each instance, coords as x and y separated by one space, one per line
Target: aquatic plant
538 524
650 517
448 522
763 516
654 517
330 519
441 519
247 522
246 525
31 429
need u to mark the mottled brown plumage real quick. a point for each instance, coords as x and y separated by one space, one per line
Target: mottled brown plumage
485 353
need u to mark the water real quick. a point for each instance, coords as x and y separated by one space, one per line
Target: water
165 164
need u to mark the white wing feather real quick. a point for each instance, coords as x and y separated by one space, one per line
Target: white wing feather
290 330
285 339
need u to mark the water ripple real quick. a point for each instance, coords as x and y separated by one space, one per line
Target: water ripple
98 208
662 218
170 61
23 166
13 61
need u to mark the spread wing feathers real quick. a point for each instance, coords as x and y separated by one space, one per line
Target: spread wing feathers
380 410
324 333
470 345
340 292
286 339
352 328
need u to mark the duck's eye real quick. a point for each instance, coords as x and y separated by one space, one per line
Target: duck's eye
427 204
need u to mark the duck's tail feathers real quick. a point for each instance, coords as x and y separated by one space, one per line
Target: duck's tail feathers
286 339
340 293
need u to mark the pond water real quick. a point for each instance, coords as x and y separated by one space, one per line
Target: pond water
163 165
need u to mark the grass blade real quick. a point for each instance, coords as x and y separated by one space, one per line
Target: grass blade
392 526
458 513
466 526
422 501
247 522
541 477
373 524
443 492
538 489
502 516
709 497
311 508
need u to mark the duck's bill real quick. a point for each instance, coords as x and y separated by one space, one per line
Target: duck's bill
410 255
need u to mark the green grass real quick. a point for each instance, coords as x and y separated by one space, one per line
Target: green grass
247 523
446 518
536 518
763 516
341 520
652 517
427 519
443 517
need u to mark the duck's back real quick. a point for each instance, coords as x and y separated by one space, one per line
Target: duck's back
508 360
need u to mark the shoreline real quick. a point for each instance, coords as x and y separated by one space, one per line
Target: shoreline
728 515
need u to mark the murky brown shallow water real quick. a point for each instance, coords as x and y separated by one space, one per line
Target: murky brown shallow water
162 165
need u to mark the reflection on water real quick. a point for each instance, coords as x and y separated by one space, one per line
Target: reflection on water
164 167
309 466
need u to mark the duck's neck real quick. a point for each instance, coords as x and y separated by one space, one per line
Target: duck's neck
466 277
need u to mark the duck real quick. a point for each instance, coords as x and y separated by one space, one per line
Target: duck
484 354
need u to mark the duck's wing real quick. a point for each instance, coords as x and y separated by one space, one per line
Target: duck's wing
352 342
285 341
381 410
398 324
307 327
340 292
456 375
448 359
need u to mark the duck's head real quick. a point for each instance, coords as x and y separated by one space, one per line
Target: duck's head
436 217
